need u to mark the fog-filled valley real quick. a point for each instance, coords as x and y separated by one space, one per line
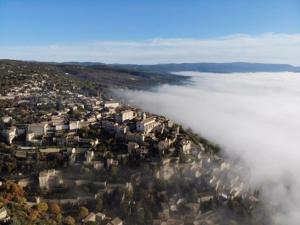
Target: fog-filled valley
253 116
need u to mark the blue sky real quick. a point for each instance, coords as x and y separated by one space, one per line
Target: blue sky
68 22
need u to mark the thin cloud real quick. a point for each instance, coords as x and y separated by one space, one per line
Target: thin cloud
264 48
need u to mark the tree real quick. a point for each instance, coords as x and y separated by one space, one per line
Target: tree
83 212
51 222
182 157
59 218
34 215
17 190
141 216
10 166
20 199
69 220
114 171
42 207
124 209
148 216
54 208
99 204
15 221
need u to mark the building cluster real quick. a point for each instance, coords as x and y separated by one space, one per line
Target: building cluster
90 148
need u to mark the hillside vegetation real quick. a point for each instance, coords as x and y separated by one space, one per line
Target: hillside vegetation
100 76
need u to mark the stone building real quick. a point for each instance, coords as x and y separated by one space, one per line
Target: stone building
111 104
185 146
37 129
146 125
125 115
9 134
49 179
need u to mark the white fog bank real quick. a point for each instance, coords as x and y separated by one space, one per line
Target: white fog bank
253 115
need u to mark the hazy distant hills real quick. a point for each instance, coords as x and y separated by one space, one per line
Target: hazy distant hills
104 76
238 67
132 76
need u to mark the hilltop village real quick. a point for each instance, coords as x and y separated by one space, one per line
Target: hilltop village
69 157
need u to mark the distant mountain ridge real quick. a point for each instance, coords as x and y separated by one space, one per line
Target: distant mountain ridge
234 67
166 68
